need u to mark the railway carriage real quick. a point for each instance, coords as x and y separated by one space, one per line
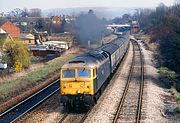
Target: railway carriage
112 51
83 78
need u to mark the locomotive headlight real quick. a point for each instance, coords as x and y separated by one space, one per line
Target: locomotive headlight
78 91
64 86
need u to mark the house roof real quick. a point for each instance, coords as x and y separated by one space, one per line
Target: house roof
56 18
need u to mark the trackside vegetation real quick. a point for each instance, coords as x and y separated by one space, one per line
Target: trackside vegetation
163 26
16 55
9 89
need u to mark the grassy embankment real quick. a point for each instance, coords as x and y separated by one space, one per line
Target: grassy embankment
9 89
168 77
170 80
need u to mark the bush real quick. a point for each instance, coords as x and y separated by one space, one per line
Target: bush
167 76
177 109
18 66
175 93
16 53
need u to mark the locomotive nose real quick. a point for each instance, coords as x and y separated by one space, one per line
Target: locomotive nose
74 88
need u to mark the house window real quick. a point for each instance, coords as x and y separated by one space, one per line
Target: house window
29 41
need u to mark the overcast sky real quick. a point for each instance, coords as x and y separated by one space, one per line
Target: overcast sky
7 5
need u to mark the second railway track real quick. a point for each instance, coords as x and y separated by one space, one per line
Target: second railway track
129 108
28 104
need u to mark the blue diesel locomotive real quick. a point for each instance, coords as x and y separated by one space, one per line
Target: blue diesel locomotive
83 78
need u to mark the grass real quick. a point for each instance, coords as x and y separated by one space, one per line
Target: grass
176 94
177 109
167 76
9 89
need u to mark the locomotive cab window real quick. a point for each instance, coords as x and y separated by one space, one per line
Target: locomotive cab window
68 73
84 73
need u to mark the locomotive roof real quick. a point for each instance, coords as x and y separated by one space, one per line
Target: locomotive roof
121 39
91 59
110 48
96 57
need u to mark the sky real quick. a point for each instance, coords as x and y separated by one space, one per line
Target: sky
7 5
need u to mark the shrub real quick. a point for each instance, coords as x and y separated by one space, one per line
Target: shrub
167 76
175 93
177 109
16 52
18 66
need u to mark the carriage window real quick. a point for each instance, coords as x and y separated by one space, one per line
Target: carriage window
68 73
84 73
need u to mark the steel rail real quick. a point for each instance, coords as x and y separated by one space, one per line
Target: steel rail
63 118
138 117
29 103
86 115
140 97
126 88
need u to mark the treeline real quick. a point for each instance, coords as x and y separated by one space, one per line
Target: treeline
163 24
17 12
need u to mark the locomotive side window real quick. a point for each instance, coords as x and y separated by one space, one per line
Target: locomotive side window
68 73
84 73
105 54
94 72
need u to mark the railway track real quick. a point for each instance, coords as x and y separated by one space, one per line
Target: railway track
74 117
30 103
129 108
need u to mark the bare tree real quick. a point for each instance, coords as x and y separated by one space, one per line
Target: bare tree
25 12
17 12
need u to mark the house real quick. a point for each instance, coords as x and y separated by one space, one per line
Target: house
10 28
56 19
26 24
27 38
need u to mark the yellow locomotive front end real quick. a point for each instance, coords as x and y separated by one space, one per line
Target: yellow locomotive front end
76 85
